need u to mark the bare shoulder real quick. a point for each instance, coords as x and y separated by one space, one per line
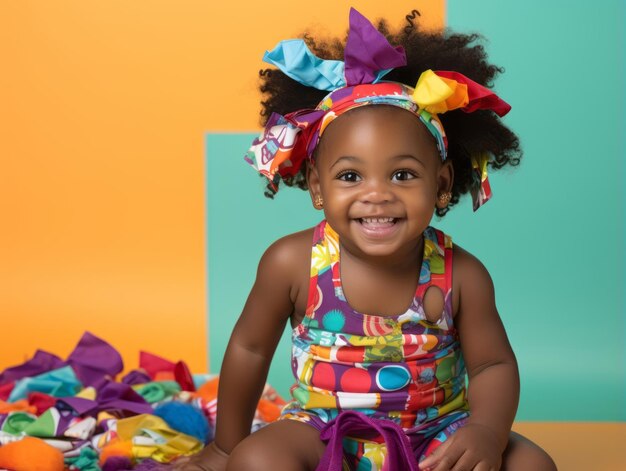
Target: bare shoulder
468 269
287 260
470 279
477 320
282 251
274 295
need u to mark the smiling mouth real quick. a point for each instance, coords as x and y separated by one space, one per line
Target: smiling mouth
378 222
379 227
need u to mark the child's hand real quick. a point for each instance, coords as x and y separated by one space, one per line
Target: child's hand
211 458
472 447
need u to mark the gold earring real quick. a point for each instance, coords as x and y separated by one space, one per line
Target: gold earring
445 198
319 202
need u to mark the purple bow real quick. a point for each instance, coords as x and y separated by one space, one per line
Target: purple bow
352 423
368 52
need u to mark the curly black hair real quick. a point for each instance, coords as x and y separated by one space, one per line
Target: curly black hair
468 133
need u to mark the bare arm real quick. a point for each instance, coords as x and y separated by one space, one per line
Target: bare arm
252 345
493 392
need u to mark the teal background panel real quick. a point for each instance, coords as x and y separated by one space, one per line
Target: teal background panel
242 223
552 237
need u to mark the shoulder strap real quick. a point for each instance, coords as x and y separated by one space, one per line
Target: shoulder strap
437 265
448 252
318 263
444 275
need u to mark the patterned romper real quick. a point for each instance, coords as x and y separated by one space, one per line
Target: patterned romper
402 368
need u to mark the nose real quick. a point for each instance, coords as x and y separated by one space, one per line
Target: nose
377 191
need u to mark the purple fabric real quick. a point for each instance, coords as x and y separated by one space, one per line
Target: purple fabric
368 51
42 362
78 404
121 463
117 463
94 359
65 419
112 396
150 465
356 424
136 377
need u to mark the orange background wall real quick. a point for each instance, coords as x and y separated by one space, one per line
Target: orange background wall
103 108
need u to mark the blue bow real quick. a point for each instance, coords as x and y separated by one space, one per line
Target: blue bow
368 57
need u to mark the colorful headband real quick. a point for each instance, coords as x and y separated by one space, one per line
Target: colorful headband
287 141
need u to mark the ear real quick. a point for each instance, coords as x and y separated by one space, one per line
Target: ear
445 179
313 182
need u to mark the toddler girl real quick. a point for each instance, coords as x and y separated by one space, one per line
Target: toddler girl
388 315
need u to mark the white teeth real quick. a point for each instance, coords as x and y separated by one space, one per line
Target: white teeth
377 220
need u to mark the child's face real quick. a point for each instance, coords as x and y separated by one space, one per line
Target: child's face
379 173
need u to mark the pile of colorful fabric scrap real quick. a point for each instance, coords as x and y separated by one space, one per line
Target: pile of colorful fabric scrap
73 415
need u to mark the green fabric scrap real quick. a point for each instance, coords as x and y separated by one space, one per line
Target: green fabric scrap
45 426
86 461
157 391
17 421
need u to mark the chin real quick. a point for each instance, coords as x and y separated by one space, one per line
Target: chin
379 249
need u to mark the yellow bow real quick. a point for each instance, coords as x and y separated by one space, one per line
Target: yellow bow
439 94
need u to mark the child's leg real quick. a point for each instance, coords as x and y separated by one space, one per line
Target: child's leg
522 454
287 445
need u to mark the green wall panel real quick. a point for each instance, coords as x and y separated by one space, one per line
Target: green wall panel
552 237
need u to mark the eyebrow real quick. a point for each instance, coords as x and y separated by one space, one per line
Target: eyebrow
408 156
349 158
352 158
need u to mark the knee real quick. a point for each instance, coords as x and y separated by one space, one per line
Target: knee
253 456
545 462
538 460
246 457
522 454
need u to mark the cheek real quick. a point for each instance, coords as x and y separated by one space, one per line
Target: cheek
423 198
423 204
431 186
338 199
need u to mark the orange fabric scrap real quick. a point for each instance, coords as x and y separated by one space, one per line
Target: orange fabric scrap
116 448
21 405
31 454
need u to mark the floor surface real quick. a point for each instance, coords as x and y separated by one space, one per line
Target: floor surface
578 446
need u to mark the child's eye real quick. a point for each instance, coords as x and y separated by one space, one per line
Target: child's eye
403 175
349 176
